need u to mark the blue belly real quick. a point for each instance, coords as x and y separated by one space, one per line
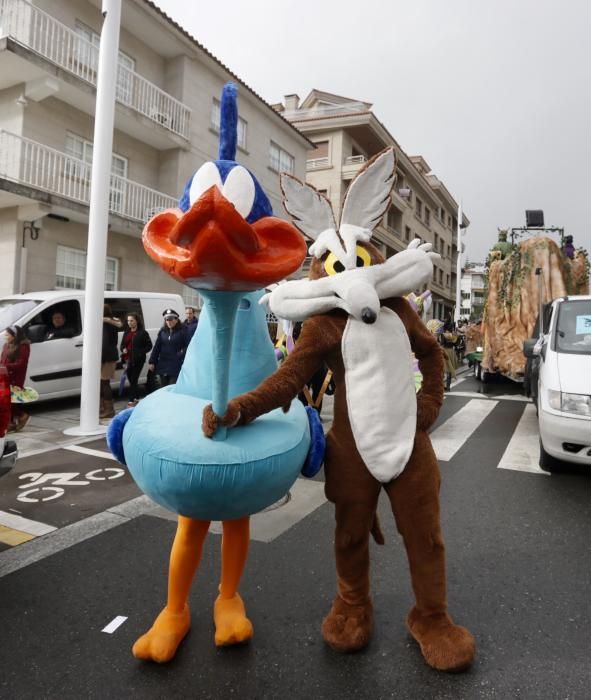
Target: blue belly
189 474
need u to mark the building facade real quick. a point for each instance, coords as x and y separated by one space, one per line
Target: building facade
473 290
346 133
166 123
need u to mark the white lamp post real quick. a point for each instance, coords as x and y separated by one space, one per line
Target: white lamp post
99 220
458 309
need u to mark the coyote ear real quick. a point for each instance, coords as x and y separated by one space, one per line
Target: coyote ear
310 210
368 195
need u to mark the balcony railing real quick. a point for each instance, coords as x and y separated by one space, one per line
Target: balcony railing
30 163
42 33
355 160
325 111
317 163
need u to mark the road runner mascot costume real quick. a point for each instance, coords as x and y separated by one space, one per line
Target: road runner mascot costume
223 241
359 324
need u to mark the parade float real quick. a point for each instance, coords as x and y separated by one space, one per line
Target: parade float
522 276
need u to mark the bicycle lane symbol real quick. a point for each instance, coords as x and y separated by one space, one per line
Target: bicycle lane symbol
38 492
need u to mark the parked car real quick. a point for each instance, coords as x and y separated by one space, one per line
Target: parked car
564 383
55 365
8 451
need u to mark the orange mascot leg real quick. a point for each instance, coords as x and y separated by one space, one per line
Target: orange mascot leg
231 624
170 627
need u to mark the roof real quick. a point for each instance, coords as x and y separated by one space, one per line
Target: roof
202 48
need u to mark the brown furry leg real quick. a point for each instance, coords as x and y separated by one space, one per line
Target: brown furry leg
414 496
349 624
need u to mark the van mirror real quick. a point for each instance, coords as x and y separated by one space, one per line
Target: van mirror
36 333
529 348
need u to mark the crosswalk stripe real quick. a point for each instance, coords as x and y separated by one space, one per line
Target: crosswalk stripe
500 397
449 437
17 522
89 451
523 451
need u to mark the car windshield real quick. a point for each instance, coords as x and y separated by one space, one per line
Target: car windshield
12 310
573 329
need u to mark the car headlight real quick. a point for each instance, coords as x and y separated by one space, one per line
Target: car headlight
579 404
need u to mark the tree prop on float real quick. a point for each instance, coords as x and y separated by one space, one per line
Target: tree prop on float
224 242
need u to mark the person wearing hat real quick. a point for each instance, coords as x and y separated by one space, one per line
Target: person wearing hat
169 350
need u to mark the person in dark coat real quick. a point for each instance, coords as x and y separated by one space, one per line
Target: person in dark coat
169 350
190 322
109 357
135 345
15 357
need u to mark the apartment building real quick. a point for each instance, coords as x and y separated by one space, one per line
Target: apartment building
473 289
346 133
166 124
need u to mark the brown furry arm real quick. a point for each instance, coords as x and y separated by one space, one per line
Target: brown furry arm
281 387
430 356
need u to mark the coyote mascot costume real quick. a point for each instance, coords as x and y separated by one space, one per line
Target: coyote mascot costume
358 323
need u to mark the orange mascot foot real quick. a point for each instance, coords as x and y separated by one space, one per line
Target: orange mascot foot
445 646
348 627
162 640
231 624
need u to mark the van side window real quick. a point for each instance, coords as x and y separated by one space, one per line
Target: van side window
121 307
60 320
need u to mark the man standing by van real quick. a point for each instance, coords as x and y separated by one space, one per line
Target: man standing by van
190 322
58 328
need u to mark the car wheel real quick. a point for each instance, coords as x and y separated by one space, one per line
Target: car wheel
547 462
485 376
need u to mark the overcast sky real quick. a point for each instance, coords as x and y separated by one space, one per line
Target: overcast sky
496 94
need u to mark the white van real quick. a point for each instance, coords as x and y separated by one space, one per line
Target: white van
564 383
55 366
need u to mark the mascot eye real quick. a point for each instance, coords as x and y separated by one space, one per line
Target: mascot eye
207 176
239 189
363 257
333 265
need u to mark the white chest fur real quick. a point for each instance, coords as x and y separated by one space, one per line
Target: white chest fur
381 397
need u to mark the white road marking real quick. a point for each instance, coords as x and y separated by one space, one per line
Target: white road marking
89 451
458 381
500 397
523 451
114 624
449 437
31 527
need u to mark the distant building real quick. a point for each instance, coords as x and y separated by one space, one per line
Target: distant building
346 133
473 289
166 126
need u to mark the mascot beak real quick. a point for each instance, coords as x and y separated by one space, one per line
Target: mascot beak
212 246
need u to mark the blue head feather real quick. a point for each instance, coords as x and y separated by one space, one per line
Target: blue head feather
228 122
227 153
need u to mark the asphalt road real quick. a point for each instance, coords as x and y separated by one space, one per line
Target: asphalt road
519 555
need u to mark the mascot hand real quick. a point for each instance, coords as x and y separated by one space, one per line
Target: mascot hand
427 412
211 421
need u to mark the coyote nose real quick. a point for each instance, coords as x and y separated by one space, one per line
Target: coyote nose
367 315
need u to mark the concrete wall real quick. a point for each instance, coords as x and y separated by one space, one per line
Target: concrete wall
11 113
137 272
9 243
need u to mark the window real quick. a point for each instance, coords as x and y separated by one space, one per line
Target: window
442 247
449 251
281 160
466 295
88 56
419 208
407 233
70 269
215 124
436 242
81 149
447 280
191 297
321 150
441 277
427 216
